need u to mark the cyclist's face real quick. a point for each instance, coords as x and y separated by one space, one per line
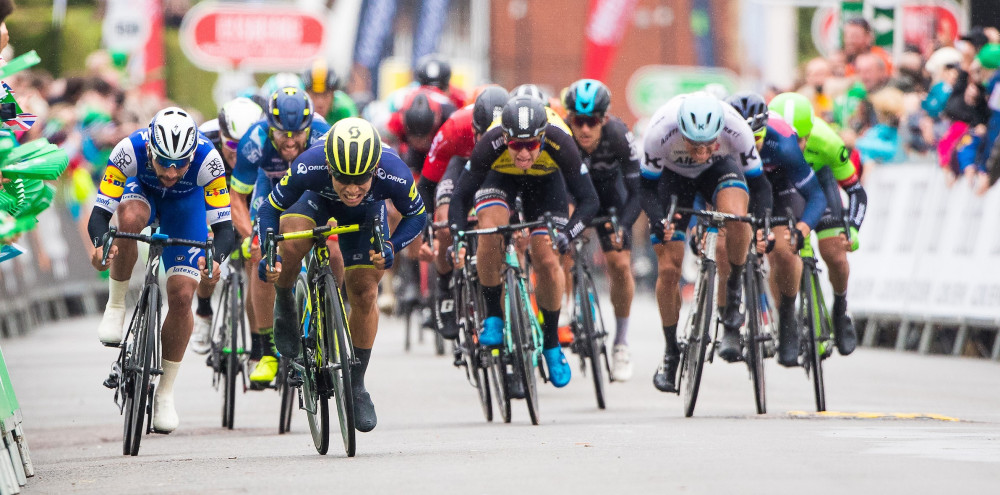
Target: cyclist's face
228 153
292 146
322 102
524 152
169 175
420 143
351 194
700 152
586 129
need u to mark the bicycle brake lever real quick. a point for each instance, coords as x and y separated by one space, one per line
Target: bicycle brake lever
209 257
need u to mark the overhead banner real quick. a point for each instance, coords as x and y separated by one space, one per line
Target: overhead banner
376 19
430 24
606 23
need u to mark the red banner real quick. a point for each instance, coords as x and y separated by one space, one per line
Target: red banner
606 23
155 82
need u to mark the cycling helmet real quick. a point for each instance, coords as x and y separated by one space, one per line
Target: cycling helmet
701 117
523 117
353 149
587 97
278 81
422 117
432 70
752 107
529 90
290 110
237 115
319 77
173 136
488 107
796 110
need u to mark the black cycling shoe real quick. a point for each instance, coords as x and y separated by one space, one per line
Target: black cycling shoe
844 334
515 386
731 315
444 315
665 378
788 342
364 411
286 334
729 348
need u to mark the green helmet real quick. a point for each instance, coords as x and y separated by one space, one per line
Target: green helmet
795 109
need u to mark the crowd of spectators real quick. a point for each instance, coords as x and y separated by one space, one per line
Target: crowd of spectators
939 102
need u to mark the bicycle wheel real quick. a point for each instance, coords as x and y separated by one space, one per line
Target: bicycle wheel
314 396
593 334
814 328
698 336
520 331
340 353
229 354
498 377
141 362
754 341
287 397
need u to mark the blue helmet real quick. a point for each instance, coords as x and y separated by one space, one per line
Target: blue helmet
289 110
701 117
587 97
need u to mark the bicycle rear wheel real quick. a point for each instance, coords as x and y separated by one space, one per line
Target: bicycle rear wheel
593 334
340 354
813 329
138 366
524 348
754 340
698 336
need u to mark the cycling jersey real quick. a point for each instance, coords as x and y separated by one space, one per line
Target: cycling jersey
342 108
201 191
614 166
824 148
309 174
454 138
256 151
787 170
558 154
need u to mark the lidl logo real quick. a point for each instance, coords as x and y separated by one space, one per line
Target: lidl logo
113 184
217 193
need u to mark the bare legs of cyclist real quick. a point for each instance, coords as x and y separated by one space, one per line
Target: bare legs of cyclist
622 284
834 252
549 290
732 200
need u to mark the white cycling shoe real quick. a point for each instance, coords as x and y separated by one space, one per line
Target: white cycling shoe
201 335
621 363
164 414
111 329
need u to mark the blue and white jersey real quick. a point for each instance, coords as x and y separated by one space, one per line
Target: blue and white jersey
256 151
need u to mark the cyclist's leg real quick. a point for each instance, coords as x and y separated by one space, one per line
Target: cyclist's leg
203 315
833 247
493 210
619 268
261 295
133 214
444 307
786 273
724 183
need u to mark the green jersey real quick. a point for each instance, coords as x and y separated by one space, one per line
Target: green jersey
342 108
825 148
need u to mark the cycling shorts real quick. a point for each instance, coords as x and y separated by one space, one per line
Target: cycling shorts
539 194
724 173
612 193
185 220
354 246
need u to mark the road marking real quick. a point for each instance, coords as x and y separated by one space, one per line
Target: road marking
870 415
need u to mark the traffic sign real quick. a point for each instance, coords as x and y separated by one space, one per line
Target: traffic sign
652 85
262 37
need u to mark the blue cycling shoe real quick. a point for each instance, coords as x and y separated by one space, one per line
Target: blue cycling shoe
492 332
559 370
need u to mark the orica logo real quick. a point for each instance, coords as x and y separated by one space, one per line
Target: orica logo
301 168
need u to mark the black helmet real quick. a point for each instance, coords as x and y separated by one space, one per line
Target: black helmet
523 117
587 97
488 107
530 90
752 107
320 77
419 118
432 70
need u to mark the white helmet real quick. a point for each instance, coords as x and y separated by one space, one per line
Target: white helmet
173 136
237 115
701 117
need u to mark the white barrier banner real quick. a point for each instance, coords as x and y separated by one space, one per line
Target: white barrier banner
928 252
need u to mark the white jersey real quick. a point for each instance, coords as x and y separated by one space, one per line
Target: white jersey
664 146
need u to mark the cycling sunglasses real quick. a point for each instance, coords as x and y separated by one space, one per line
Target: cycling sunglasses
530 145
353 180
168 163
699 145
758 135
587 120
231 144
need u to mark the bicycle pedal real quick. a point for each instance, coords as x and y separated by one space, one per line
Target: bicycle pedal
259 386
111 382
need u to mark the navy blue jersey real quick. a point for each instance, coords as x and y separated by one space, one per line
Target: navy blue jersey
393 181
785 166
256 151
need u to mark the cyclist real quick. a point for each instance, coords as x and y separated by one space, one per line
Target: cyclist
535 91
168 167
696 144
525 154
795 186
415 123
265 152
235 117
432 70
445 161
348 177
825 151
609 152
323 87
274 83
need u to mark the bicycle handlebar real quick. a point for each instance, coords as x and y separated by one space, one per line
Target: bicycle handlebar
271 239
156 239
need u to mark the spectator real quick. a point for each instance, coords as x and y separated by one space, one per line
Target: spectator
881 143
818 72
966 109
859 40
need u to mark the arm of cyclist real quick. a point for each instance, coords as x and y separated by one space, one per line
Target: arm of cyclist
218 213
109 195
284 194
470 180
407 201
577 177
633 204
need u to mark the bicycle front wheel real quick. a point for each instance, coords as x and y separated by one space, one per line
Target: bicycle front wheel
340 353
593 334
315 381
813 329
753 285
524 347
698 336
139 366
230 353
